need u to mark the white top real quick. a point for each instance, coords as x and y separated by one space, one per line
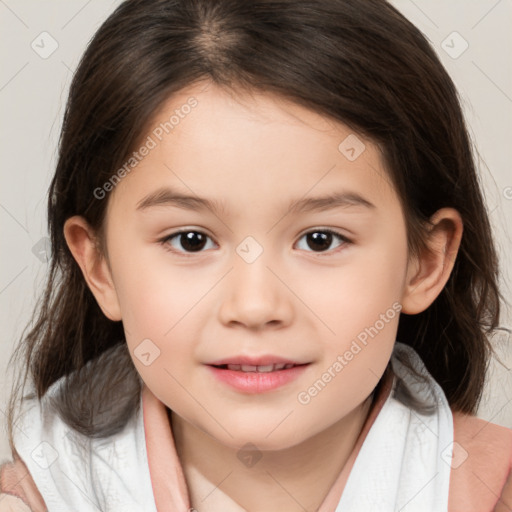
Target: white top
75 473
403 464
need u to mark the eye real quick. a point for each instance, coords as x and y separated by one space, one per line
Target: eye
189 240
320 240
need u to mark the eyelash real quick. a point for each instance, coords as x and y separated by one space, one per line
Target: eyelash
164 241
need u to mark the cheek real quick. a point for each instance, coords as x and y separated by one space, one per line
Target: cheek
352 296
155 293
360 304
159 329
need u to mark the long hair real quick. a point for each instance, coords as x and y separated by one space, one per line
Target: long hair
357 62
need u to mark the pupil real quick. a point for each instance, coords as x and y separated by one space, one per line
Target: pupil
192 241
321 240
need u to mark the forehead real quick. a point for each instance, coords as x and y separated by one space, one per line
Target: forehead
251 149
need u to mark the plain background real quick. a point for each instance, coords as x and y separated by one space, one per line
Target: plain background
33 92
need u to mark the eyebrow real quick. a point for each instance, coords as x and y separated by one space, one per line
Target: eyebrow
170 197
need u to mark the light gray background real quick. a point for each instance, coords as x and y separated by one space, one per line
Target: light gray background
33 92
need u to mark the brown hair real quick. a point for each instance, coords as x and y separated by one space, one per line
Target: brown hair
358 62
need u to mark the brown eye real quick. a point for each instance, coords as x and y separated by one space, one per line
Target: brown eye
322 240
319 241
187 241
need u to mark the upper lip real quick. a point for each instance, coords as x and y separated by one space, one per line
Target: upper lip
254 361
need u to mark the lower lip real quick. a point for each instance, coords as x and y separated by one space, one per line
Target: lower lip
255 382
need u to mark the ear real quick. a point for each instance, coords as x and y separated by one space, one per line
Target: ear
83 244
428 272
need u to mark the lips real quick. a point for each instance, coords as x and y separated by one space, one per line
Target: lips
245 376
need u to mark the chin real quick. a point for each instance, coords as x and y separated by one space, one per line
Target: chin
250 436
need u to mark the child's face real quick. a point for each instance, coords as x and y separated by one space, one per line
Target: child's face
308 299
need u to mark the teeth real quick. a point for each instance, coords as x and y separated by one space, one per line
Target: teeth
259 369
265 369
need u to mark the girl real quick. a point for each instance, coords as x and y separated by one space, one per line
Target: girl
272 279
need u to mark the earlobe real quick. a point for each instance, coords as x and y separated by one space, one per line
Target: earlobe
82 243
429 272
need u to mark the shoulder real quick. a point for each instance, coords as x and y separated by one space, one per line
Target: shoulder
40 439
481 465
18 491
106 469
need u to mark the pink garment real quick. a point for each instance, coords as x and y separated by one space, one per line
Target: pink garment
481 476
18 490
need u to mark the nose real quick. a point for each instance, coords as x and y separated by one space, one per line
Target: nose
255 296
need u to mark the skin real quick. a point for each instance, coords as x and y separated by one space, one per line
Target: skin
256 153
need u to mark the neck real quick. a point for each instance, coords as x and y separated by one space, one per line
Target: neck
294 479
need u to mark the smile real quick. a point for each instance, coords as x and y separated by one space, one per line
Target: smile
253 379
